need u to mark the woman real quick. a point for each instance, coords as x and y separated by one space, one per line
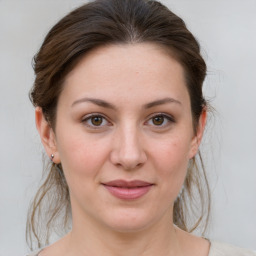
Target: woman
120 112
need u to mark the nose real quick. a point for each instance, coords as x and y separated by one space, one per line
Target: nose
128 149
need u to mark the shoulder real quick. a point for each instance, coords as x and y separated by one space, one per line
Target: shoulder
57 248
222 249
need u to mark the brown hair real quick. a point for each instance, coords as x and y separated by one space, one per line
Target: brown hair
95 24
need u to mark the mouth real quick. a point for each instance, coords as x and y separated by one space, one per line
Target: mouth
128 190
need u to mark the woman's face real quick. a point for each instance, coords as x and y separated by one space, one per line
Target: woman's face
124 136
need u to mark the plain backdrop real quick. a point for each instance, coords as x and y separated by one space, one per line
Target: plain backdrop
226 30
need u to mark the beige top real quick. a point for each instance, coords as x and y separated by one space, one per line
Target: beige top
216 249
221 249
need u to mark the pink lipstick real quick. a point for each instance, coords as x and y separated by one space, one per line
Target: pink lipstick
128 189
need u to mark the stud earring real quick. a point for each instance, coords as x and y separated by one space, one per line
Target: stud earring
52 156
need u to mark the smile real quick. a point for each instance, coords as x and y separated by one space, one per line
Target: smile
128 190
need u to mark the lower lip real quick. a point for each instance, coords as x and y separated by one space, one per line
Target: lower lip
128 193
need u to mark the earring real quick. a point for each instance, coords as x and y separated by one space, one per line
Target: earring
52 156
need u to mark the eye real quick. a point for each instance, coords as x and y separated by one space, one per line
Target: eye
95 121
160 120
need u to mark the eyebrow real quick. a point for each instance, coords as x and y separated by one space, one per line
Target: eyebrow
105 104
161 102
98 102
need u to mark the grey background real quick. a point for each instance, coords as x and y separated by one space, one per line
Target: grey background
227 33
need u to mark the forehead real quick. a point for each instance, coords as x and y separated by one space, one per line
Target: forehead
133 56
142 69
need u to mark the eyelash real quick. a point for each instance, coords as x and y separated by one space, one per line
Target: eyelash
89 118
167 120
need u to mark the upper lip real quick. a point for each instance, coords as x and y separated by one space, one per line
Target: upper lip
127 184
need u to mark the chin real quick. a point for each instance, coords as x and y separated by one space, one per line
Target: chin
130 221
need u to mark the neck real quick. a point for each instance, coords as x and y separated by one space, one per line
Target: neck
86 238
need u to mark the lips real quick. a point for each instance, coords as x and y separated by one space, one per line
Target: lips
128 189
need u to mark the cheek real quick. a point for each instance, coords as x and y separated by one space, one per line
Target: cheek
173 152
171 160
82 156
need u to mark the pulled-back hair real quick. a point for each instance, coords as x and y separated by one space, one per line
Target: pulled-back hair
96 24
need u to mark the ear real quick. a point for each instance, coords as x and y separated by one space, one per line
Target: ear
196 140
47 135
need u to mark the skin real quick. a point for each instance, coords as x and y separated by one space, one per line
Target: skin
138 84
